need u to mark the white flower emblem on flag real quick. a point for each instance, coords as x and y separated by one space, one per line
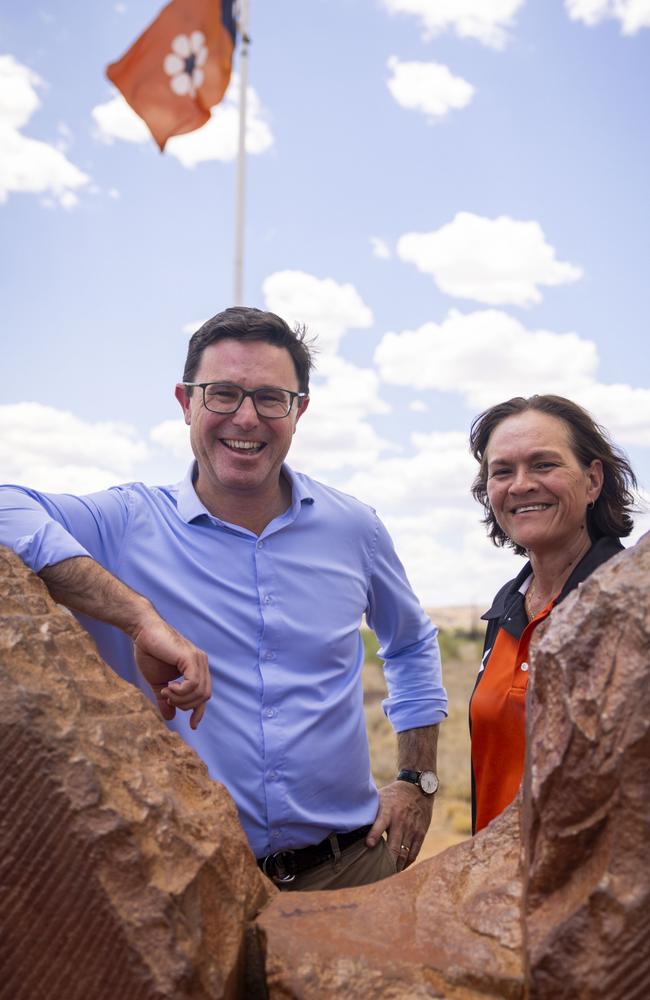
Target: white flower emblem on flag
184 63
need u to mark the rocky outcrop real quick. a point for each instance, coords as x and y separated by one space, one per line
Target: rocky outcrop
587 792
573 920
450 927
125 874
124 871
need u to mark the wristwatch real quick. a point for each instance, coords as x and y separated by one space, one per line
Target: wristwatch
427 781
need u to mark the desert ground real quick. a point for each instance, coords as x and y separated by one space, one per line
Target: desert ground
460 638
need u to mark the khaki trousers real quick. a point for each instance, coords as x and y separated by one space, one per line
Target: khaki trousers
356 865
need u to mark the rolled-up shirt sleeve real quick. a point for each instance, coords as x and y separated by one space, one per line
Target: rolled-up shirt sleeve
46 528
409 645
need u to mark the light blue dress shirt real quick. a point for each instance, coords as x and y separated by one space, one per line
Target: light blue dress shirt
278 616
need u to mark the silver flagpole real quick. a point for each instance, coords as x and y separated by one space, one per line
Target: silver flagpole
241 154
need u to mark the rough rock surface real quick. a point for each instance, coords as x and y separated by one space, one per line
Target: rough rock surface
452 927
587 791
448 928
124 871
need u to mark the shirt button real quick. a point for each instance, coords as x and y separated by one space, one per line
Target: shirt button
269 713
269 655
275 835
524 666
267 598
260 545
273 775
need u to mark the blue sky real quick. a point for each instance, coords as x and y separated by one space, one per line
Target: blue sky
451 193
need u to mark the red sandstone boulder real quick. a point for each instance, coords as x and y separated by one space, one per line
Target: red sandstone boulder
450 927
587 791
124 871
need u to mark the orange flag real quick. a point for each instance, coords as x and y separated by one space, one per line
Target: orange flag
179 67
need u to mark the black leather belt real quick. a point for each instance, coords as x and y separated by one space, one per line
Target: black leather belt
283 866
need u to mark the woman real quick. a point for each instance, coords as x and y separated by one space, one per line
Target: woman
553 488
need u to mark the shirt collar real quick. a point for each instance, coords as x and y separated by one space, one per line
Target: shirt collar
190 507
187 502
601 550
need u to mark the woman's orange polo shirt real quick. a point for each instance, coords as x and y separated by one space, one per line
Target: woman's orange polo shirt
498 721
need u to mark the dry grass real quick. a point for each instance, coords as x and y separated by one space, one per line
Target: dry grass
452 812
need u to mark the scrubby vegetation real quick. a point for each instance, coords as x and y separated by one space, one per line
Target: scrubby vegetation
461 653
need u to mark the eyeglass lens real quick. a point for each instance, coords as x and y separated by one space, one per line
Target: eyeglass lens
223 398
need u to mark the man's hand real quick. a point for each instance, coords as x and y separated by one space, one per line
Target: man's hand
406 814
162 655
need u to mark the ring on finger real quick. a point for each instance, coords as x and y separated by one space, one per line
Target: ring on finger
405 847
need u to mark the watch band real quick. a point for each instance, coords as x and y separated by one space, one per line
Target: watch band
426 781
412 776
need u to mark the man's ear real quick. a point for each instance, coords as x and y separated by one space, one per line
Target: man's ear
183 398
301 409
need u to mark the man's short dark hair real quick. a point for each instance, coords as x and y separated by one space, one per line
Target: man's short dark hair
246 323
610 515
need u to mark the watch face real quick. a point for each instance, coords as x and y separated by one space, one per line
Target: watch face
429 782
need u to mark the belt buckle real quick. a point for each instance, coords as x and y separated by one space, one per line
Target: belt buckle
283 876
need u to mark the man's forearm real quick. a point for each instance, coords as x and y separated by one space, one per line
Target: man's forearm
417 749
81 584
161 653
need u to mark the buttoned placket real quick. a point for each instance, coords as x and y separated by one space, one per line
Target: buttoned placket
520 679
269 667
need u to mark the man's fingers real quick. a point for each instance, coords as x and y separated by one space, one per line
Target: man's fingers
177 671
197 715
376 830
166 710
184 697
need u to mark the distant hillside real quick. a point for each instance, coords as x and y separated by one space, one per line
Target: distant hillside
465 617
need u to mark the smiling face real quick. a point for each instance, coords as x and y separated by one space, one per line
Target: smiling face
239 455
537 489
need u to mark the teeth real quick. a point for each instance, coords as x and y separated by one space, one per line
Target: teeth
531 506
243 445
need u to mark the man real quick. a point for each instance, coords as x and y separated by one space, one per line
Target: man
270 573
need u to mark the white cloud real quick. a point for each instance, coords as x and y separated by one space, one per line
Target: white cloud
488 21
54 450
428 87
216 140
30 165
380 248
326 307
446 553
495 261
449 559
622 409
173 436
418 406
115 119
632 14
486 356
641 518
335 435
439 472
190 328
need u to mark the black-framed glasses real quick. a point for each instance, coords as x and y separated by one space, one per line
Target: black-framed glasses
225 397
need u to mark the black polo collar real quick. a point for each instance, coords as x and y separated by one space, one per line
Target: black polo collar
509 603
